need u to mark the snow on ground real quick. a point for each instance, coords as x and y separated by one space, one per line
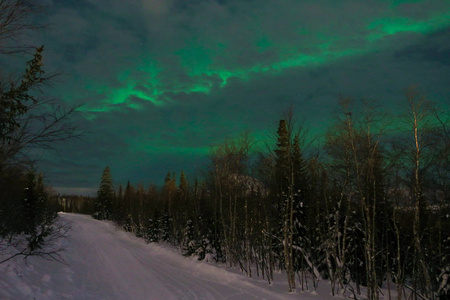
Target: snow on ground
104 262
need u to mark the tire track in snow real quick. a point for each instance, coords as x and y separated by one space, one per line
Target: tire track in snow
168 279
190 276
160 266
233 293
238 291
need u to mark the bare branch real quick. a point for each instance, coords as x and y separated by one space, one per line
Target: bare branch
15 23
51 248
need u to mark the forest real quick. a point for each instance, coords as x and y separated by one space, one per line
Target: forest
368 206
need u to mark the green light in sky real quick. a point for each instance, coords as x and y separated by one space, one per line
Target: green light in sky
161 146
201 88
379 28
389 26
200 63
120 96
203 64
185 150
194 59
264 44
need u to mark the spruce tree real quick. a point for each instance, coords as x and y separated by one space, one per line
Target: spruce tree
284 180
183 187
105 195
282 158
169 193
128 200
300 193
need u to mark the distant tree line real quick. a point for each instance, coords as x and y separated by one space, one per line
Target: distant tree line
69 203
369 207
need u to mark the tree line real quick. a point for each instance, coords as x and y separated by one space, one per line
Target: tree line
368 207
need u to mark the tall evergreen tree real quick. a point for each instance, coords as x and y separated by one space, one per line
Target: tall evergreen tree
169 193
284 182
301 238
105 195
183 187
282 158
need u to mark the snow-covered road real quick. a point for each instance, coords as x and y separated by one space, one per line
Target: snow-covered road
107 263
104 262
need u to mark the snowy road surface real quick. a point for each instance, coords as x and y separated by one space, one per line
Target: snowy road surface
104 262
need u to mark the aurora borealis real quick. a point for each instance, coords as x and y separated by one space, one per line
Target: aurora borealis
163 81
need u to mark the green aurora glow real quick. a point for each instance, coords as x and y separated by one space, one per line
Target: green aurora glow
163 85
198 63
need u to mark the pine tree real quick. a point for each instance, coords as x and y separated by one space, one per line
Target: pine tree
189 244
285 193
128 200
169 193
105 195
301 238
282 158
183 188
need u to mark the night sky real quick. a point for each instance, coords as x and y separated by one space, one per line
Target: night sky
161 81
